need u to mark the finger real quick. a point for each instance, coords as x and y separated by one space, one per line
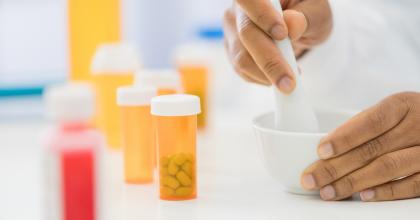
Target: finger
324 172
247 68
265 16
241 60
364 127
296 24
317 14
406 188
265 53
382 170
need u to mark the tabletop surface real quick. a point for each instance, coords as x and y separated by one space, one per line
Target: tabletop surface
232 183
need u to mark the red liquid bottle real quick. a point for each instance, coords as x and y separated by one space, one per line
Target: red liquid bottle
72 154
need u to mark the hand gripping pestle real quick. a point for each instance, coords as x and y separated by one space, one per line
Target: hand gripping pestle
293 112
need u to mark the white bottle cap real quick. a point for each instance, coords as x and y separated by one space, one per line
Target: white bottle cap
159 78
175 105
115 58
135 96
193 54
70 103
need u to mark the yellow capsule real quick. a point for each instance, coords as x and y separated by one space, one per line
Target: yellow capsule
183 191
190 158
179 159
164 171
172 167
164 161
187 167
166 191
183 178
170 182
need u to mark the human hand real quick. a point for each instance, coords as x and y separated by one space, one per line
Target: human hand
251 25
376 153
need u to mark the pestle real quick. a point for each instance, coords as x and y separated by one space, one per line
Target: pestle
293 112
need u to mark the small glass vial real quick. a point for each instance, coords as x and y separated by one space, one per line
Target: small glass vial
113 66
72 154
137 133
193 64
175 120
166 81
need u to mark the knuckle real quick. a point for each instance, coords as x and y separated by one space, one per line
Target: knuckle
242 61
377 121
416 187
273 67
330 172
390 192
244 26
370 150
349 183
390 164
262 18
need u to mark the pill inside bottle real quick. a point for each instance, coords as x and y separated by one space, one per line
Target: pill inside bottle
175 120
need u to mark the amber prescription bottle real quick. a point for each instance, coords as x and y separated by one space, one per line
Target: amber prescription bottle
175 120
137 133
113 66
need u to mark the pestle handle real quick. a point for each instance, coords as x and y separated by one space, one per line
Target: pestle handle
293 111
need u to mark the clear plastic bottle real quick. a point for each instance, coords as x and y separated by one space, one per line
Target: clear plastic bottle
113 66
137 133
175 119
72 153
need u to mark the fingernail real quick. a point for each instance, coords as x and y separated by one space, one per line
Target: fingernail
327 193
325 151
367 195
308 181
277 32
285 84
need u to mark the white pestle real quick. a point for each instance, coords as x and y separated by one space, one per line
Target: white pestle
293 111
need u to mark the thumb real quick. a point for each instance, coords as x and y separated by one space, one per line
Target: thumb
309 21
296 23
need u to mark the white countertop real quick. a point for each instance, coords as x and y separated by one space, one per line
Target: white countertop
232 184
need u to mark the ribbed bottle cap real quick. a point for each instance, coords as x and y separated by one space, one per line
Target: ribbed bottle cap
70 103
159 78
175 105
135 96
115 58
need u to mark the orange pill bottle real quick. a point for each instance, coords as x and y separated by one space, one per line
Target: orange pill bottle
113 66
137 133
193 65
175 120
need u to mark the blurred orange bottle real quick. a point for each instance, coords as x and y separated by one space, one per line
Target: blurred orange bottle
113 66
175 120
91 22
193 66
137 133
166 81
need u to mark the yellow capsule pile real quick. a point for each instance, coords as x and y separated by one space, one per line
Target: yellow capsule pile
176 173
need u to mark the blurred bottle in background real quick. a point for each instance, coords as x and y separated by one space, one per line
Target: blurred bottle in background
91 23
113 66
72 154
166 81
